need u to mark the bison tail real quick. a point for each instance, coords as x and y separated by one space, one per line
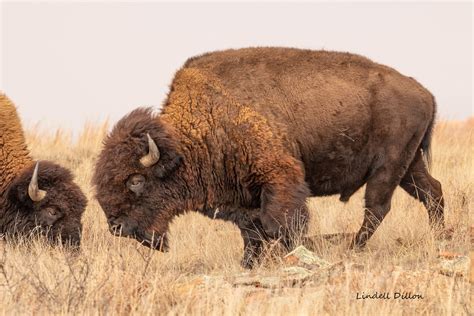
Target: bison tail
426 142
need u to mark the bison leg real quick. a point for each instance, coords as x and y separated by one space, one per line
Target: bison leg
392 165
253 236
284 214
378 197
378 194
422 186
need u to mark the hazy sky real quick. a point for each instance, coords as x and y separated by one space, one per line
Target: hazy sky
65 63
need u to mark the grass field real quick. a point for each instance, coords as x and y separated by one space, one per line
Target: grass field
199 274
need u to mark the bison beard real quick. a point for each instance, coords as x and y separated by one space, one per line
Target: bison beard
248 135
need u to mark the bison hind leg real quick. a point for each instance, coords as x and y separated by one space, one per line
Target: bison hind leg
422 186
379 191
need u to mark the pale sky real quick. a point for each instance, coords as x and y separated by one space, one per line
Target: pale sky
66 63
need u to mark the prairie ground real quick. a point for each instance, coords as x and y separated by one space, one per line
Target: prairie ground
200 273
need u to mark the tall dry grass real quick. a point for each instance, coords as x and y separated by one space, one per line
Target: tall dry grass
117 276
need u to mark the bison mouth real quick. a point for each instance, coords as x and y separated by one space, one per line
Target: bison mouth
153 241
69 240
150 240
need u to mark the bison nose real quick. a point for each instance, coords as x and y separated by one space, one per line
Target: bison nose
115 229
115 226
111 220
121 227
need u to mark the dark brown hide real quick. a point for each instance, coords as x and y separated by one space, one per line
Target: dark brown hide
247 135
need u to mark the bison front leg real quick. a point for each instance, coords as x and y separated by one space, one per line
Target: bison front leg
284 214
254 236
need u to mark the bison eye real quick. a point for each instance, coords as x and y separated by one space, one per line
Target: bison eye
49 216
52 212
136 183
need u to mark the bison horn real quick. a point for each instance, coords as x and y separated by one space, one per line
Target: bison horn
153 153
33 190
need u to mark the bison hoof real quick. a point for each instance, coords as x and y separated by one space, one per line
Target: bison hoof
445 234
357 243
249 262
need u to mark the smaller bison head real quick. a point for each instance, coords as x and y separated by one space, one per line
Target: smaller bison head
44 199
137 179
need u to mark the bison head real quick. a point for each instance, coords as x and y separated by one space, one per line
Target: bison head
137 179
44 199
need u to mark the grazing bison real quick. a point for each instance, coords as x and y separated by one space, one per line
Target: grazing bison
248 135
34 197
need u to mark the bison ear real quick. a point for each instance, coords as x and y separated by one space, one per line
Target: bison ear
18 194
22 194
167 164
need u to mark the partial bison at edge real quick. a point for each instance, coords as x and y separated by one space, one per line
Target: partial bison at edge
35 197
248 135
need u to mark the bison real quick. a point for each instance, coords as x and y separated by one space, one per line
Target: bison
248 135
35 198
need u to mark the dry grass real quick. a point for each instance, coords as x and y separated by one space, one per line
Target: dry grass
117 276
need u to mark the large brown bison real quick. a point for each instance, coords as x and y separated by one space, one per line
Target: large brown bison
248 135
35 198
